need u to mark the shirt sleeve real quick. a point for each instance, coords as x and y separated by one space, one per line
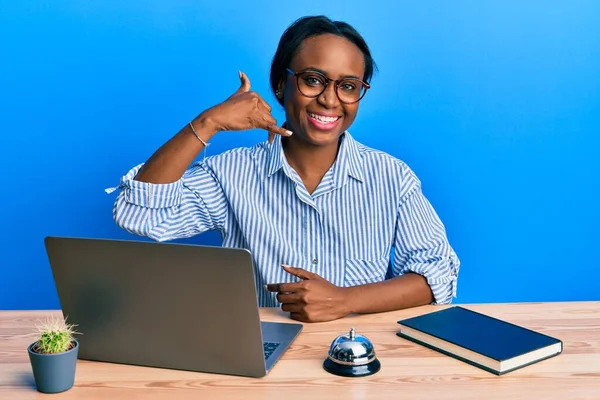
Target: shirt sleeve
192 205
421 246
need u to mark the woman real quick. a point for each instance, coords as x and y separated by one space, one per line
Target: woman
320 212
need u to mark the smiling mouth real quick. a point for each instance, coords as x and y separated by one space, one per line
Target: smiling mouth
323 122
323 119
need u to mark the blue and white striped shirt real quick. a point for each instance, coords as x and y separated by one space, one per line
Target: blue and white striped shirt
368 205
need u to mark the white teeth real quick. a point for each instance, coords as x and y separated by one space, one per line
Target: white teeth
323 119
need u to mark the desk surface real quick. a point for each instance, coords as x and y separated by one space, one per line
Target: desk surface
409 371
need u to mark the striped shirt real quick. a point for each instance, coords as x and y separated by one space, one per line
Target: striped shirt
367 220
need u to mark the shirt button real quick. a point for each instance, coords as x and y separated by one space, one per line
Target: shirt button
315 261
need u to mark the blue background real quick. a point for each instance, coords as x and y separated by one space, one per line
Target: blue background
494 104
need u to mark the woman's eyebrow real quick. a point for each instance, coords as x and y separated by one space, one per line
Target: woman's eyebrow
325 73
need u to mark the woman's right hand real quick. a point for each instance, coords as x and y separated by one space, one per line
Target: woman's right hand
243 110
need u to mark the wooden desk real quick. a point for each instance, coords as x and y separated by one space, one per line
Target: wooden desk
409 371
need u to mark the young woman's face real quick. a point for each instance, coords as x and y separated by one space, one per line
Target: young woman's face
322 119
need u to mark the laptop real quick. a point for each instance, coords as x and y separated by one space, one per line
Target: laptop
166 305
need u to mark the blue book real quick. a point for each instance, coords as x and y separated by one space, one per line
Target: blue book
491 344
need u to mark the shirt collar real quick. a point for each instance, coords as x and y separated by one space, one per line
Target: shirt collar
348 162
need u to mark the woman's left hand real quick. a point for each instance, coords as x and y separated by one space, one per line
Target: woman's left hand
314 299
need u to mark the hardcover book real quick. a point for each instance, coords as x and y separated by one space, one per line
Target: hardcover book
491 344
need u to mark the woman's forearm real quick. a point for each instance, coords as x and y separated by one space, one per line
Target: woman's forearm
172 159
405 291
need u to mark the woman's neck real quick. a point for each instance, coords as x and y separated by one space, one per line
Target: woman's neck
309 161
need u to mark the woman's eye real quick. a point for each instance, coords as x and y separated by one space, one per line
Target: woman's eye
314 81
348 86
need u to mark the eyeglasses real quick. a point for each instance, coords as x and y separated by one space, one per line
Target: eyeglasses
313 83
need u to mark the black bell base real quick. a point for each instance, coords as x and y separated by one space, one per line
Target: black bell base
352 371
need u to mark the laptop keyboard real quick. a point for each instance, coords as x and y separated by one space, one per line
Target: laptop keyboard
269 348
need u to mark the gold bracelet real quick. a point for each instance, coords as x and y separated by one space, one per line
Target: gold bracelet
198 137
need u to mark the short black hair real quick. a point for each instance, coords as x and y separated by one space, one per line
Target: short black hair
306 27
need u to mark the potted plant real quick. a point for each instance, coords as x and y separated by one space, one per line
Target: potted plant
53 355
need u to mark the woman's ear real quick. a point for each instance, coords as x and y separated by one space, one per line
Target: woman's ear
280 90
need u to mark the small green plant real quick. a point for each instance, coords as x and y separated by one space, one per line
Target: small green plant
55 335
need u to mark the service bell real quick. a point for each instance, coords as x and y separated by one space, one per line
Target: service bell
351 355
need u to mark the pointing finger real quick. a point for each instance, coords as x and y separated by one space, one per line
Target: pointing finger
273 128
299 272
270 124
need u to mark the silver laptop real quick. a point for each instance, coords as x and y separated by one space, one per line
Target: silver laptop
166 305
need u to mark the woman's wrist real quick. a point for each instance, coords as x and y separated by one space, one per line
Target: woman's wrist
347 297
205 126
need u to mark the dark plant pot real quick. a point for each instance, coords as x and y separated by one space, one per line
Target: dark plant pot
54 373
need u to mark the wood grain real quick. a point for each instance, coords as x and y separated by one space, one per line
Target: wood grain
409 371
